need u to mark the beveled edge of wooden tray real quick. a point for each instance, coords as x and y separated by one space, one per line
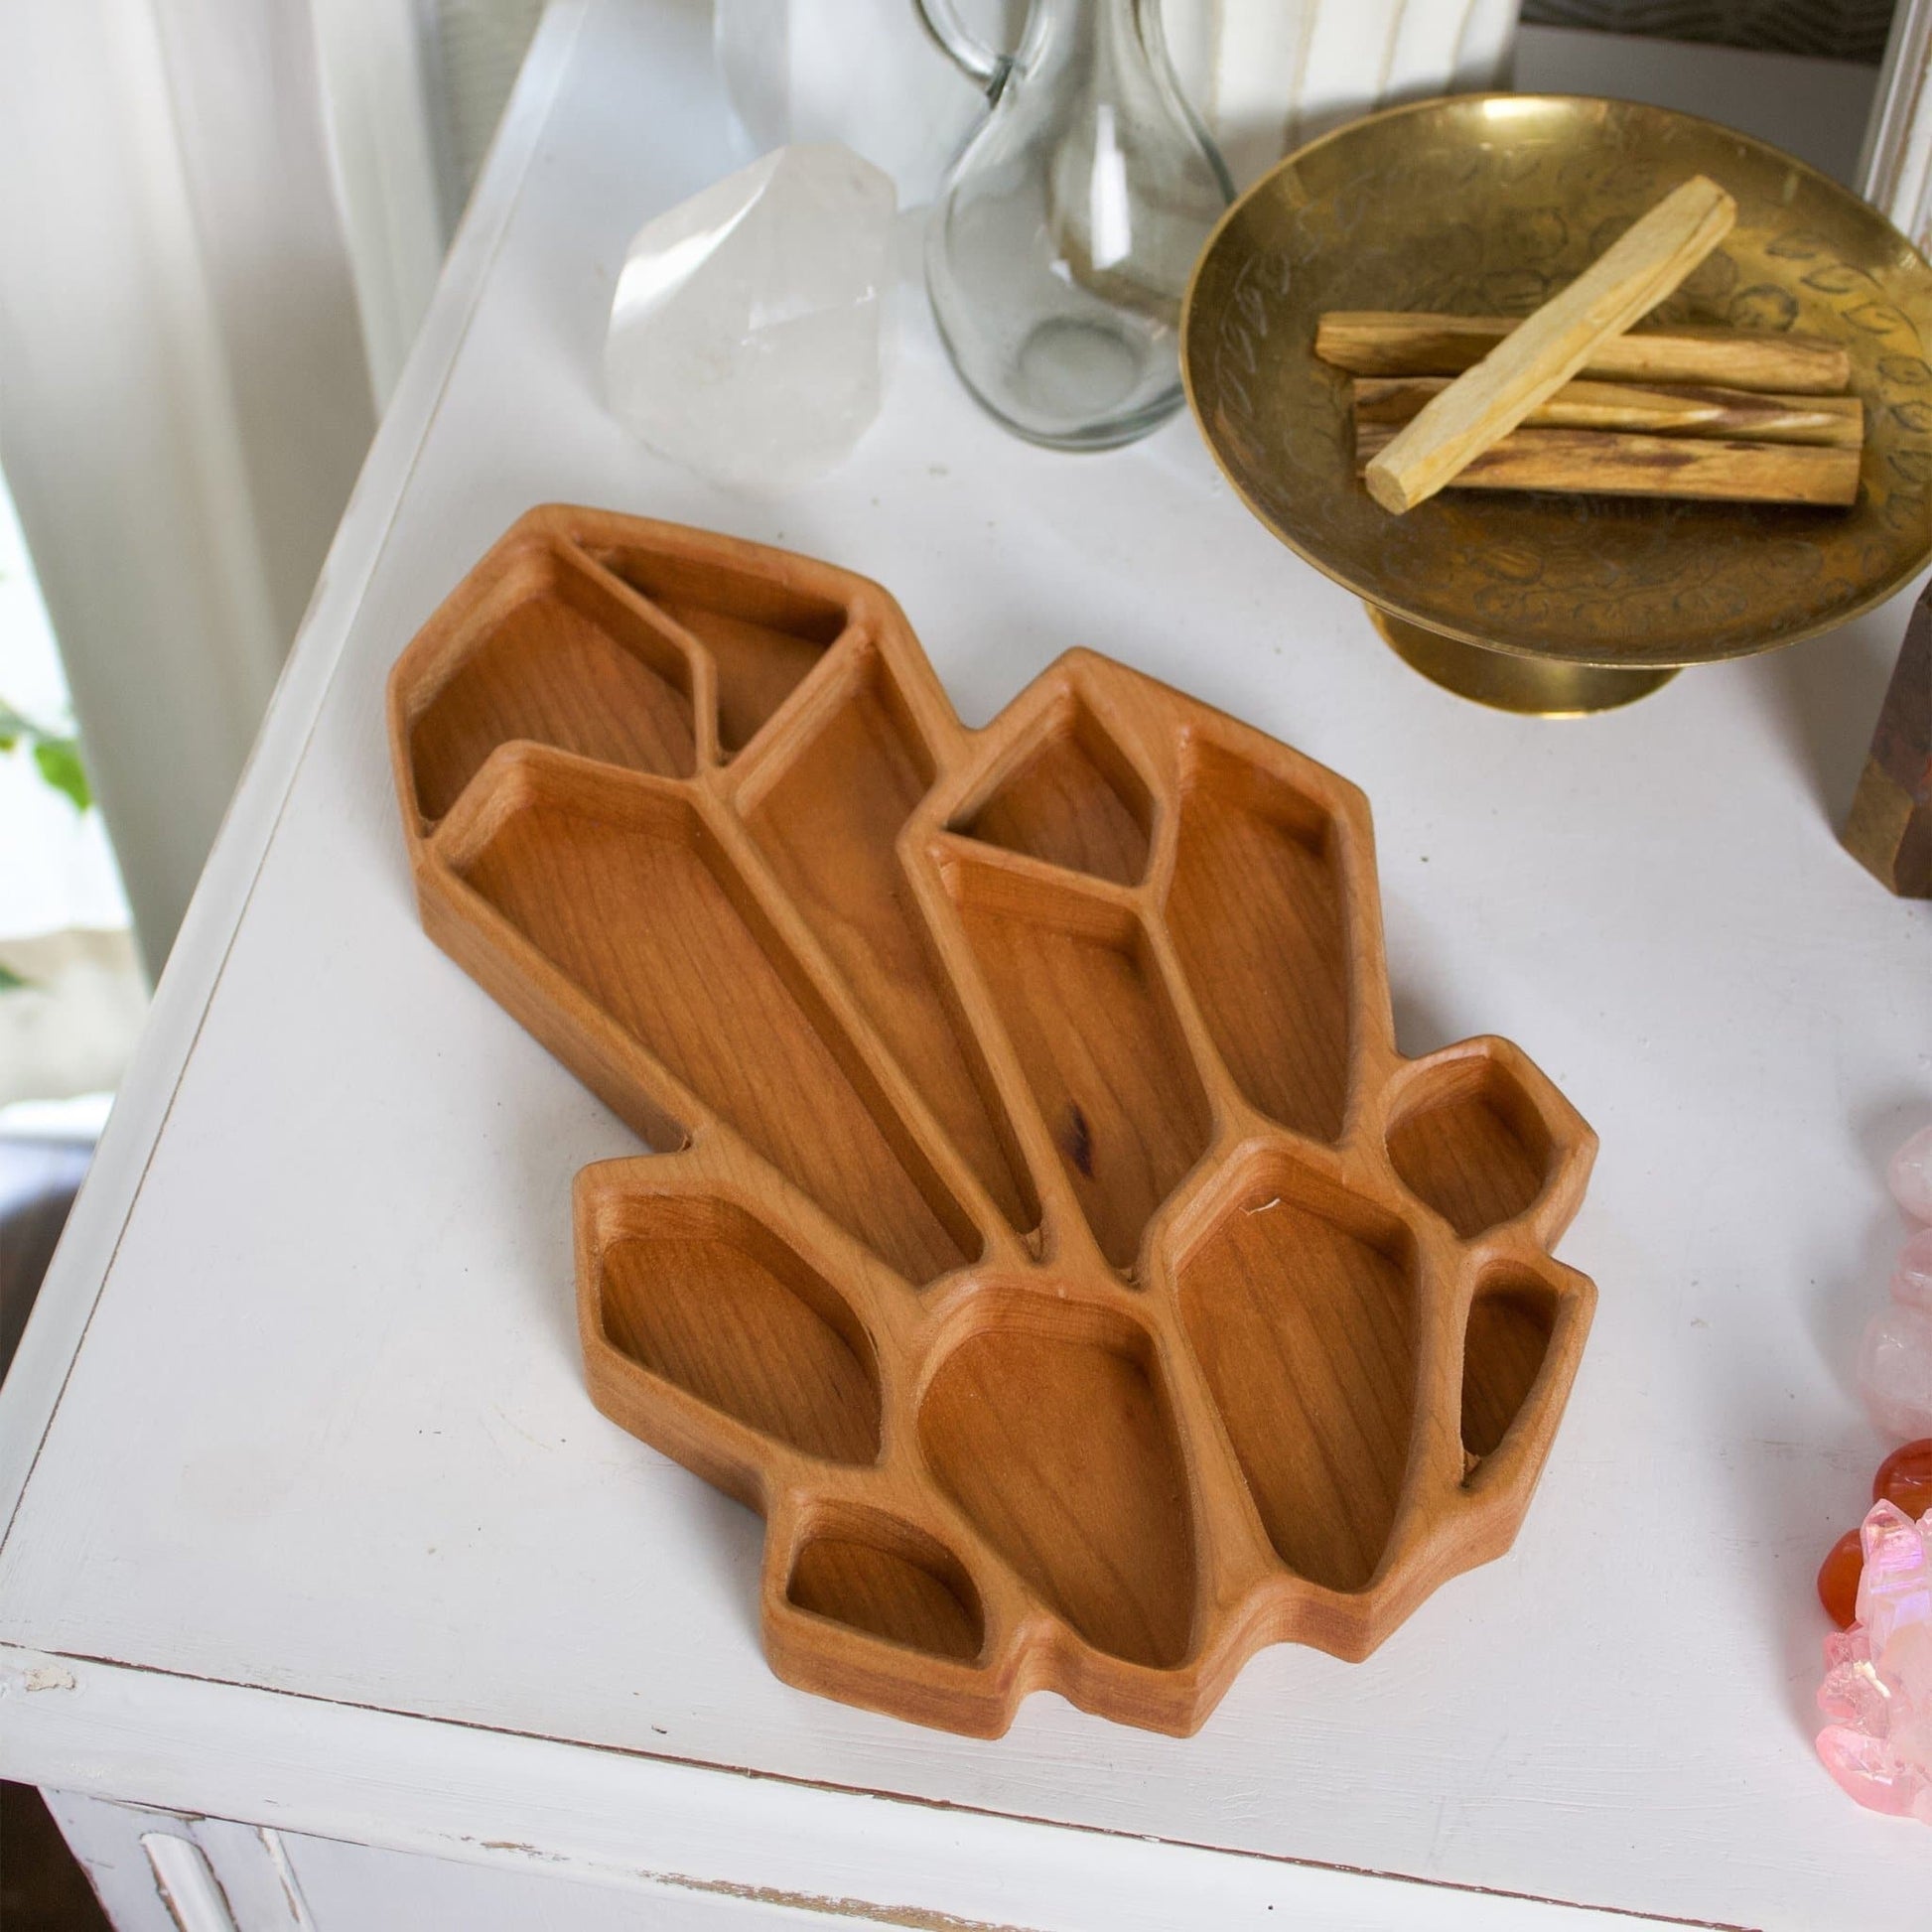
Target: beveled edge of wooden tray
1052 1278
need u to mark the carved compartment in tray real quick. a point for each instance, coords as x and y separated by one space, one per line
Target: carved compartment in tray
1050 1242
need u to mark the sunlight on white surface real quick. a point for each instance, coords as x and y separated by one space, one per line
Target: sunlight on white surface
74 997
70 1015
81 1118
56 868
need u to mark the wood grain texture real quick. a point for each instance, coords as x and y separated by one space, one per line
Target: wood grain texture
1306 1330
1537 357
567 664
1472 1144
638 917
1609 463
927 1606
1503 1351
1258 916
1377 341
827 825
1104 1063
1071 802
1051 1242
1059 1452
1649 408
710 1302
761 637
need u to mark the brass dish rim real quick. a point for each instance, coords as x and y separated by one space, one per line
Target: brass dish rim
1883 590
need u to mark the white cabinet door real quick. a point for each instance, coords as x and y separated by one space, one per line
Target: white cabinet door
357 1889
166 1872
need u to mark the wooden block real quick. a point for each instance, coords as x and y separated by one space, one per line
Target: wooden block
1483 404
1606 463
1389 343
1651 409
1889 829
1052 1243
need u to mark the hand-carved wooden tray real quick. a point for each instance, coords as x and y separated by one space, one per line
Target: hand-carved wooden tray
1055 1249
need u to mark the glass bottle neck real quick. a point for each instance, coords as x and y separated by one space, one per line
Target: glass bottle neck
1098 39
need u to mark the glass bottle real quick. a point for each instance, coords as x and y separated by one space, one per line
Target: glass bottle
1063 237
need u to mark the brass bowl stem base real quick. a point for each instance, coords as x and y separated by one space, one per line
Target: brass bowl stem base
1537 687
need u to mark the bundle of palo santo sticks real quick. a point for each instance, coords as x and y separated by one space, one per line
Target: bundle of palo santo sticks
1569 399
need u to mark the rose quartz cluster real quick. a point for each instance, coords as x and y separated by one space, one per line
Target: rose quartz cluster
1877 1690
1895 1356
1910 1175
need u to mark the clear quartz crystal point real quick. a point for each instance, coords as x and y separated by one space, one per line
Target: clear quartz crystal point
744 339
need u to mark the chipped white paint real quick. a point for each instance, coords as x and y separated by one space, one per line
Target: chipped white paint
687 1838
276 1850
187 1884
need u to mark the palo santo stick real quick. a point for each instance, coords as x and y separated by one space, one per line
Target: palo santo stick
1483 404
1607 462
1650 409
1381 341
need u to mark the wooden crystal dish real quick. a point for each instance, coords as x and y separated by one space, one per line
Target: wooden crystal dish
1054 1250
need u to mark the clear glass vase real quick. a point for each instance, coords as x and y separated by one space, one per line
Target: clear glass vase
1063 235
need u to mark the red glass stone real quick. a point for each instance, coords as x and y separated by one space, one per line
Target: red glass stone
1905 1478
1838 1580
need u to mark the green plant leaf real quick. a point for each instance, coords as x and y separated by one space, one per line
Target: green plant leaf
11 982
60 761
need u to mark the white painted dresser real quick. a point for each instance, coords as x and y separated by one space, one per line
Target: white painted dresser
327 1599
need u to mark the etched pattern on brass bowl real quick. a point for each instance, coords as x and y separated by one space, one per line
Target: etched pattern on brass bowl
1488 205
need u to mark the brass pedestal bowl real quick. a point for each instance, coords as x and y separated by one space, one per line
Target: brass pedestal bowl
1487 205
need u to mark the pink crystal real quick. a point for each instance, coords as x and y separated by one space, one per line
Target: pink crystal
1911 1278
1895 1371
1910 1175
1877 1687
